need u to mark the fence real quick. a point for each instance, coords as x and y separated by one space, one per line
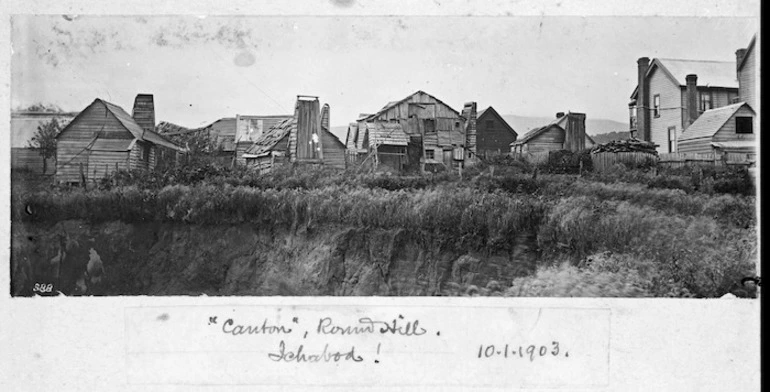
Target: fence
604 160
30 159
683 159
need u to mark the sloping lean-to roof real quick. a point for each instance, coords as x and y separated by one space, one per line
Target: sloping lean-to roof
711 121
559 122
270 138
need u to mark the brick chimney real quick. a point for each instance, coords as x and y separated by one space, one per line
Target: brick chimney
739 55
325 117
691 93
643 99
144 111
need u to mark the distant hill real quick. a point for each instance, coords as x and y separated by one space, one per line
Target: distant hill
523 124
594 126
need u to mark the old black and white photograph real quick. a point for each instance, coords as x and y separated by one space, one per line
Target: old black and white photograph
474 156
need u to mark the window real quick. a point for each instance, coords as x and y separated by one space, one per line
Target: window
656 105
671 139
705 101
430 154
744 125
489 124
146 153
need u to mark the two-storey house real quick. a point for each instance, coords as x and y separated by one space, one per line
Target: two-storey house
671 94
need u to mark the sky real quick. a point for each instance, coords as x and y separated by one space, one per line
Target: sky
201 69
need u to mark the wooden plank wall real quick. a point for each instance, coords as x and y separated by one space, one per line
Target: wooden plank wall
333 150
30 159
492 138
308 118
101 163
605 160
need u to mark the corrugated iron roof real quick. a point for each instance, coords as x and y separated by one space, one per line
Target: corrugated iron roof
710 73
387 133
24 125
710 122
270 138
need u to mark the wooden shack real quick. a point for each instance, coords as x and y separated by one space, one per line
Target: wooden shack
566 132
304 138
493 135
434 132
104 138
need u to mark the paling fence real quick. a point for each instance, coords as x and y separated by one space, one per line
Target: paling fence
605 160
683 159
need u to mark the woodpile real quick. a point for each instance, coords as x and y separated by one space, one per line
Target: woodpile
628 145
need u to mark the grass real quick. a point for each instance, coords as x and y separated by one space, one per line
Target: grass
620 233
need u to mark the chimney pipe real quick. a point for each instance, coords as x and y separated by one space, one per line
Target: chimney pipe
325 116
559 114
692 98
643 99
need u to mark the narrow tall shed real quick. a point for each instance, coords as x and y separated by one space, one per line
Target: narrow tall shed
304 138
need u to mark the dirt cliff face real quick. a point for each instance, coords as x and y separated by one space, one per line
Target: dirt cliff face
178 259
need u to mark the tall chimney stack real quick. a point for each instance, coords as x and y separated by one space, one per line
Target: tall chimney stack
469 112
643 99
144 111
692 98
739 55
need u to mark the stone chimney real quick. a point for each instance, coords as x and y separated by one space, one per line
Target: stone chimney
643 99
691 94
144 111
325 117
559 114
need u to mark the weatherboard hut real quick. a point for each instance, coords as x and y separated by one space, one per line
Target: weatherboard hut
103 138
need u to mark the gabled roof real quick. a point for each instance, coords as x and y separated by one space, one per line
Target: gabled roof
394 103
749 49
492 112
129 124
266 142
710 73
559 122
711 121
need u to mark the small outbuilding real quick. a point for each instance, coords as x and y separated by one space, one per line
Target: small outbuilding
103 138
729 129
493 134
566 132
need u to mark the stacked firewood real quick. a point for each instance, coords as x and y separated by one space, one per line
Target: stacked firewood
628 145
